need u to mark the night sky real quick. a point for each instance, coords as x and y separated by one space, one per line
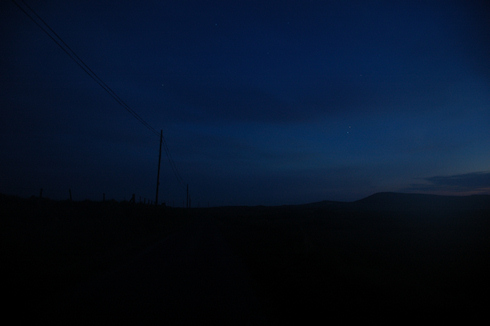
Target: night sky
260 102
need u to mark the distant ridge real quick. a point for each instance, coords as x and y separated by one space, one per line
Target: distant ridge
323 203
407 202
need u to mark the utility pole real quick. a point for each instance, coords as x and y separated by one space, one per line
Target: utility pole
159 160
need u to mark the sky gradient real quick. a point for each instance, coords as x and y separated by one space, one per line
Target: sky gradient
260 102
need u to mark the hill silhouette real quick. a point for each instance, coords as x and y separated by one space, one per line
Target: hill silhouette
409 202
394 201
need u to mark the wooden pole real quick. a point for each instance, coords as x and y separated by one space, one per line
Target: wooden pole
159 161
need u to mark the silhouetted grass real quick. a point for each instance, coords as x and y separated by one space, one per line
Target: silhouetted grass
307 261
343 262
49 246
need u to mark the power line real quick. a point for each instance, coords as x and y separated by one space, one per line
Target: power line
62 44
172 163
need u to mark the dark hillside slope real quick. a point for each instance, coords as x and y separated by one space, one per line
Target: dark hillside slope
409 255
397 254
390 201
48 246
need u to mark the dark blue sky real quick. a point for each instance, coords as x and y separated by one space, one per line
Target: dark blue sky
260 102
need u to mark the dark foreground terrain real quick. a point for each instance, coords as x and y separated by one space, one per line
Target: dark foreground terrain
388 256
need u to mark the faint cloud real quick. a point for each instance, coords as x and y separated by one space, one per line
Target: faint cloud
458 184
233 102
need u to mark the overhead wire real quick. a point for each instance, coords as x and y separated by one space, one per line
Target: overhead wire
62 44
172 163
72 54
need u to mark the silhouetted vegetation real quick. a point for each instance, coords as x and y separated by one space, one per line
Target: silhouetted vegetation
306 261
49 246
